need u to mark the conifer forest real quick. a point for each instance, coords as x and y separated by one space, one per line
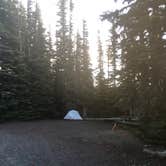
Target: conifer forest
43 75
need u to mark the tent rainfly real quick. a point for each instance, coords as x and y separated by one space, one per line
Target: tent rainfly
73 115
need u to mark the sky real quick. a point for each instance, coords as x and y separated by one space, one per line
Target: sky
90 10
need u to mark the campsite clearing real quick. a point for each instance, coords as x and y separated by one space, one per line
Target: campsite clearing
70 143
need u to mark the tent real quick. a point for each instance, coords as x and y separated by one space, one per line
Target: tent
73 115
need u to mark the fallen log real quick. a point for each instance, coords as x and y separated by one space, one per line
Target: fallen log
158 153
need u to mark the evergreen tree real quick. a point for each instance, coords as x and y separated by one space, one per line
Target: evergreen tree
70 86
49 46
108 54
64 66
11 59
142 78
30 27
86 72
114 49
37 61
77 70
25 66
100 76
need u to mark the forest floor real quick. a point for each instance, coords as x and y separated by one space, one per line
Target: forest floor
70 143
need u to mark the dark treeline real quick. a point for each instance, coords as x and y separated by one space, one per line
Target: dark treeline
25 77
138 46
37 80
137 56
40 78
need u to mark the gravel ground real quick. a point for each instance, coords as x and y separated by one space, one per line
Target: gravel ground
70 143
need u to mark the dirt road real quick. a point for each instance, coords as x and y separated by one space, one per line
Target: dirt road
70 143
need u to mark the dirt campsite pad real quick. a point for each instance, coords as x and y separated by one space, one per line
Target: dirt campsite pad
70 143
